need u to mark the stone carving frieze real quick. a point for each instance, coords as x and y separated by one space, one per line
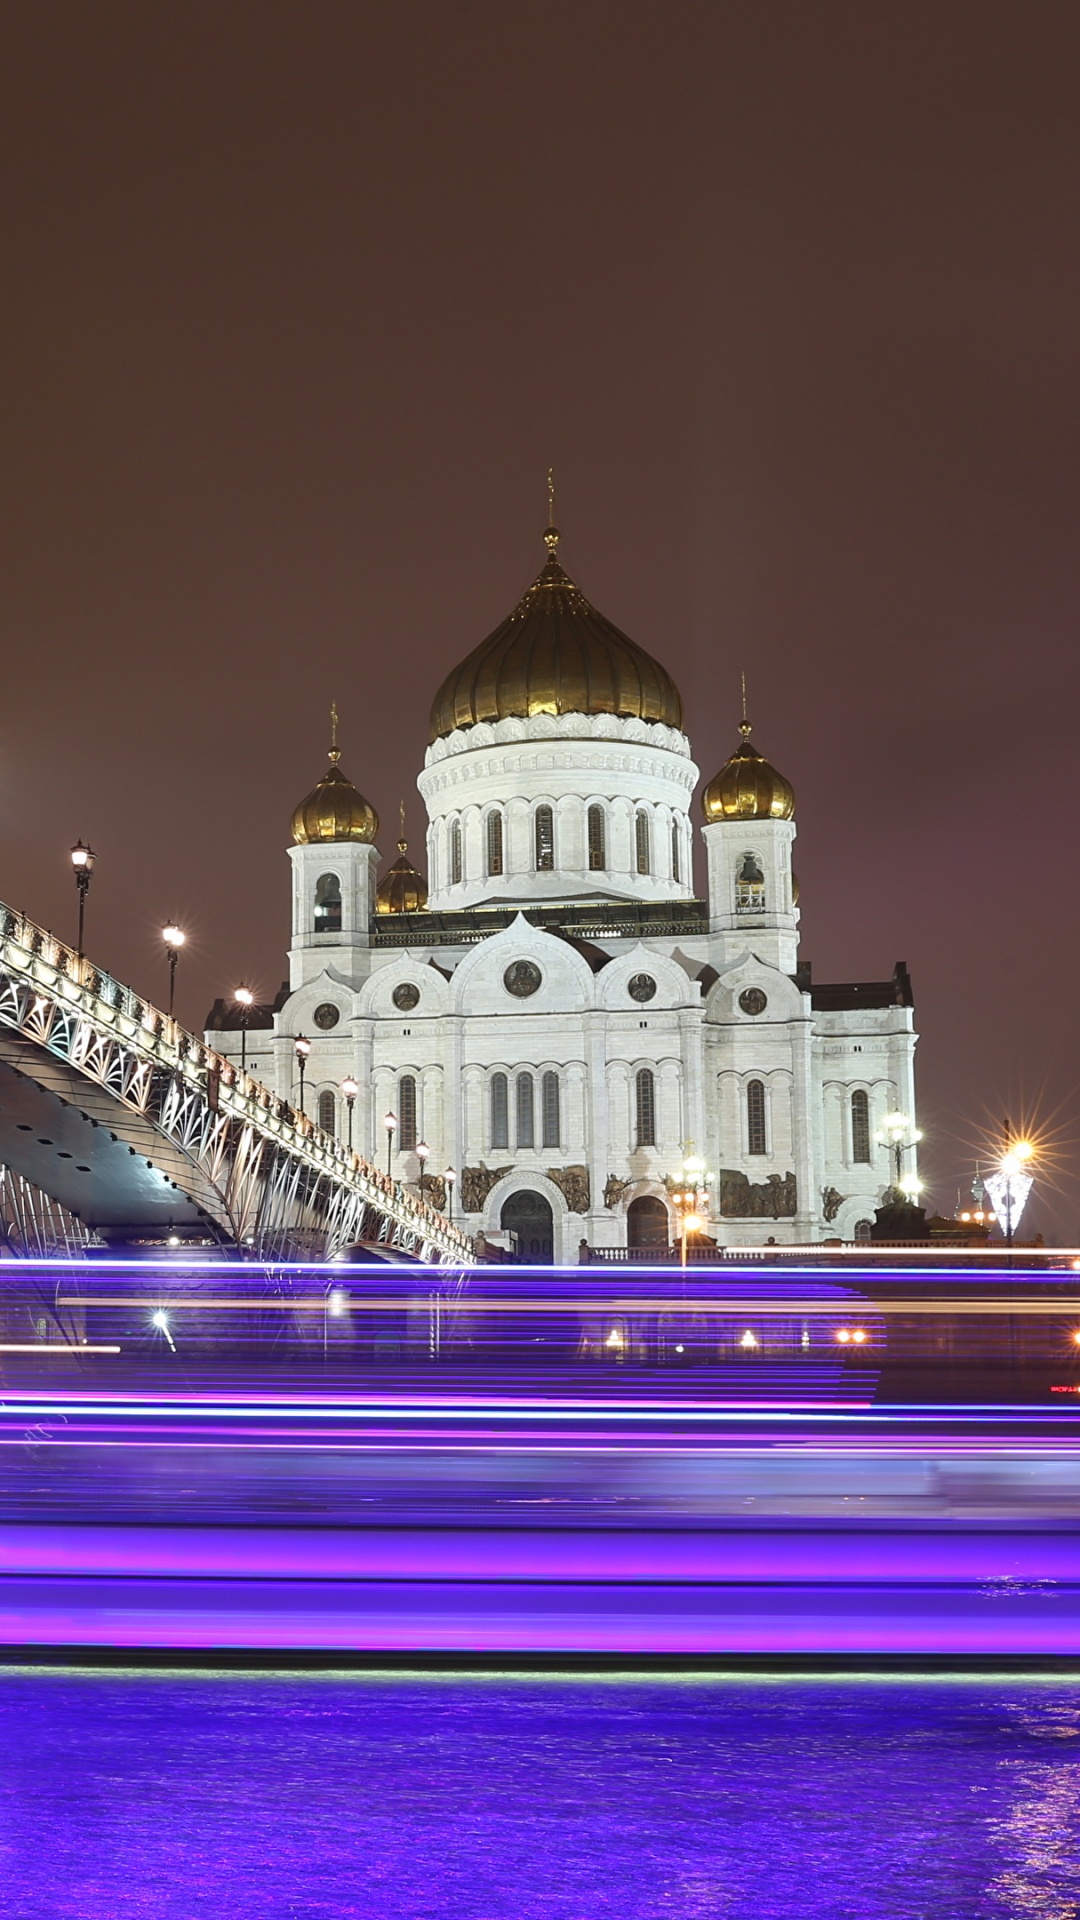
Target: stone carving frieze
476 1184
831 1203
615 1190
573 1184
771 1199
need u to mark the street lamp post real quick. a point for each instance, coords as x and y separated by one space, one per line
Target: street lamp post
450 1176
350 1088
82 862
1010 1185
899 1136
245 1000
301 1048
390 1123
691 1201
173 937
422 1151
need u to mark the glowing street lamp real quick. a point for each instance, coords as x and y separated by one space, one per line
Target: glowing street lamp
450 1176
245 1000
82 863
390 1123
900 1137
1010 1185
691 1201
422 1151
350 1088
173 937
301 1048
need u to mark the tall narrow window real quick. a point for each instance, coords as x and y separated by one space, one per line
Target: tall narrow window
641 841
597 840
455 853
328 904
749 885
645 1091
549 1102
500 1111
406 1112
544 830
526 1135
494 842
860 1127
327 1112
755 1117
676 854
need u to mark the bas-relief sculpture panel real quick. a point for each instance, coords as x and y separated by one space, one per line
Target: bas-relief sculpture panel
774 1198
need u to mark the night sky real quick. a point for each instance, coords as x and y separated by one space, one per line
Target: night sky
301 301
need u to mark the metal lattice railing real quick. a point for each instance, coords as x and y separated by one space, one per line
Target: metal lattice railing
278 1184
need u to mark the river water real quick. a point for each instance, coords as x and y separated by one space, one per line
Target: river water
176 1795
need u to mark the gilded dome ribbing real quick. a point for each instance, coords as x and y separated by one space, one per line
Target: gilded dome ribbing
748 788
334 810
402 889
555 654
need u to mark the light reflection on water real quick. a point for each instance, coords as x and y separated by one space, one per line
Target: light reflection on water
419 1797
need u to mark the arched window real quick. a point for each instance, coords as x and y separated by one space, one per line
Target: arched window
860 1127
676 854
749 885
494 841
645 1092
328 904
549 1110
756 1141
327 1113
544 831
526 1135
455 853
864 1229
597 840
641 841
406 1112
500 1111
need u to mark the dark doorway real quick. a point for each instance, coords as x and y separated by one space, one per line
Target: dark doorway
529 1217
647 1224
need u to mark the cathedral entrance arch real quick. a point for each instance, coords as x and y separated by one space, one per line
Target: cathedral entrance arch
528 1216
647 1224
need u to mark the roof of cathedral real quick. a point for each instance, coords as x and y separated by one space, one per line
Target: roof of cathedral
334 810
555 654
402 889
748 788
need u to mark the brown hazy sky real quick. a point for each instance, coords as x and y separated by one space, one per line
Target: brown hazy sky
300 302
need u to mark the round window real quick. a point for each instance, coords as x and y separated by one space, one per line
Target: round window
642 987
521 979
752 1000
326 1016
406 996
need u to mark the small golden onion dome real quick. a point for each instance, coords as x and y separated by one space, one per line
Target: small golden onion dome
555 654
402 889
748 788
334 810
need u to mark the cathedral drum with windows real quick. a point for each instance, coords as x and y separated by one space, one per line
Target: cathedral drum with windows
556 1015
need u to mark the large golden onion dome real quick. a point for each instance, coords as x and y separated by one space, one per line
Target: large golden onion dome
335 809
555 654
402 889
748 788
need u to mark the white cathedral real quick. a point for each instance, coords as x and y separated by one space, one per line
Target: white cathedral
557 1016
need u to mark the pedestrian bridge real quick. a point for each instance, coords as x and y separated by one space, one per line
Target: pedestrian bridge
116 1123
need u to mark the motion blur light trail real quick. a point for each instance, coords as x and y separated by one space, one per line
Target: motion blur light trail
215 1455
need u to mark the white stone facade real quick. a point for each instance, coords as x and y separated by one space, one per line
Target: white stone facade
656 1018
